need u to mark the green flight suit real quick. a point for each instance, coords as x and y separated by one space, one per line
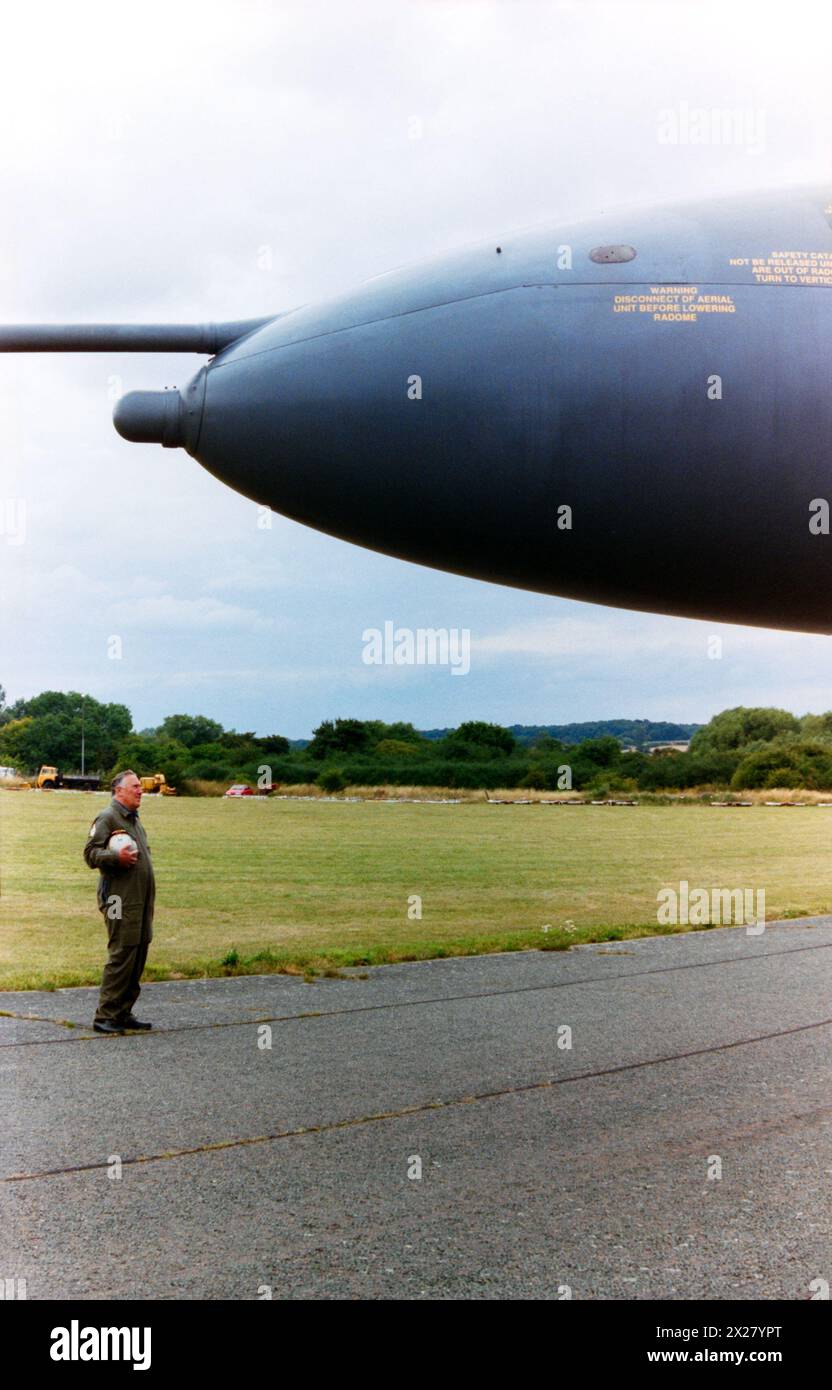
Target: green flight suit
126 897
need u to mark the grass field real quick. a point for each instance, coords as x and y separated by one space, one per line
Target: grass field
254 886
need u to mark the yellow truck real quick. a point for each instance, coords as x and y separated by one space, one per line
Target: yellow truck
50 777
157 783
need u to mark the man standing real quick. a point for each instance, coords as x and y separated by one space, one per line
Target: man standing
126 894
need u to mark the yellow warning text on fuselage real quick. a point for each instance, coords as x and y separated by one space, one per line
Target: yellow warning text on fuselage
788 267
673 303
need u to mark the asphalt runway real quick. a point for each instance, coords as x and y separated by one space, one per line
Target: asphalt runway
427 1133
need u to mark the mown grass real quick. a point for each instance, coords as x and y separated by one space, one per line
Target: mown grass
319 887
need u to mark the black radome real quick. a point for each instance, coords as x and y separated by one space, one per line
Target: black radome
634 411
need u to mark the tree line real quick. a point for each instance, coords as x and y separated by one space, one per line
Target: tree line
738 749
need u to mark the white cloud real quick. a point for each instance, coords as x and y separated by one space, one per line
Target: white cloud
632 638
163 612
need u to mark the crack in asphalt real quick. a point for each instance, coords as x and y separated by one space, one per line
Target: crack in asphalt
332 1126
393 1004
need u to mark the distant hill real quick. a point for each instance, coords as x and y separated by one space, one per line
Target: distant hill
639 732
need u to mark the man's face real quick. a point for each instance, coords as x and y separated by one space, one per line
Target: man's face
129 793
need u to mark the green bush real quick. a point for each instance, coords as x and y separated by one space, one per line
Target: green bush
786 763
397 748
209 772
736 728
331 780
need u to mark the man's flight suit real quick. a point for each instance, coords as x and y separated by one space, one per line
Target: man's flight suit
126 897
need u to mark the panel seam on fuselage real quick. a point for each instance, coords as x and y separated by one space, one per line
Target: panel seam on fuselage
405 313
506 289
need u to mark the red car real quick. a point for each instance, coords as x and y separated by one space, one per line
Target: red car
240 789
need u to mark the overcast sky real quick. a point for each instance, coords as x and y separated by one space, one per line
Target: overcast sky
193 161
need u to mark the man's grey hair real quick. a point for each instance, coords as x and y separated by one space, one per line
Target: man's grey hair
120 776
